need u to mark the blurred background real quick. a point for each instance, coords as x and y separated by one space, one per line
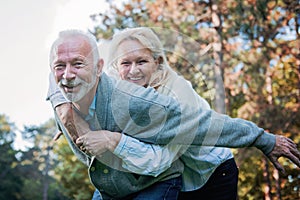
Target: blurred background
242 56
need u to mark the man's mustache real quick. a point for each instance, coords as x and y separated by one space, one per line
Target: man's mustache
70 84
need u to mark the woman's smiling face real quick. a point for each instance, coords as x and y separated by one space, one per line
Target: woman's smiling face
135 63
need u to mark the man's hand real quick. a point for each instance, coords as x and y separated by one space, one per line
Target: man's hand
284 147
75 125
98 142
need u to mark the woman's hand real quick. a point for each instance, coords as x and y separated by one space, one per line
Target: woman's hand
98 142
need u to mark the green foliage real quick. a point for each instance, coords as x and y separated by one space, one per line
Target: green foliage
10 181
58 174
47 170
71 173
27 174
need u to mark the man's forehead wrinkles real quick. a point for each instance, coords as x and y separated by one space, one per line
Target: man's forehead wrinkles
70 57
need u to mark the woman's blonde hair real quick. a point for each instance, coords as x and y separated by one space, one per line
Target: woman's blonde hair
150 41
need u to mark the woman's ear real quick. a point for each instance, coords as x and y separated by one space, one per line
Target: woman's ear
160 60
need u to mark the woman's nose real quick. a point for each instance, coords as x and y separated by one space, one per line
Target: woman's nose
134 68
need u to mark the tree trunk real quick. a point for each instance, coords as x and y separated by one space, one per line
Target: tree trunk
219 101
266 175
46 182
278 183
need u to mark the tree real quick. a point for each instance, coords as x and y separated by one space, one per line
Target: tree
10 181
23 172
37 163
71 173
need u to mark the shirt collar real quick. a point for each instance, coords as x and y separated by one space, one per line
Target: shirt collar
92 109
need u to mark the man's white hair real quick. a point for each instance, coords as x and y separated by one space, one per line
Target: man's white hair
73 33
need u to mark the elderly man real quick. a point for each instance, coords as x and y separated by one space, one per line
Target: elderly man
142 113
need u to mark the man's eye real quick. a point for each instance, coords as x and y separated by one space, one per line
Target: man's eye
59 67
79 64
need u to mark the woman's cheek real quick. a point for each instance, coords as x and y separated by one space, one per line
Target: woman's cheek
123 74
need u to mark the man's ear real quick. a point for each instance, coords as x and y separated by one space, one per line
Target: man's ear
100 65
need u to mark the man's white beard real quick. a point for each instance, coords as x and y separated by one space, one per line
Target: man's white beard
84 88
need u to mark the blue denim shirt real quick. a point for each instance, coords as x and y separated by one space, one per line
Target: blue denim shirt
144 114
150 159
151 117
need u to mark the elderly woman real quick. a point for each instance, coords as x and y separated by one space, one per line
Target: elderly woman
137 55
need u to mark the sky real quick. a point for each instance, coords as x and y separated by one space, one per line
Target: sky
27 31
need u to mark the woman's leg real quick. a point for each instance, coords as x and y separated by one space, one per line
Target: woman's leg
222 185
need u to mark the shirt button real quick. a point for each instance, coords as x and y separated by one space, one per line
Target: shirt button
92 169
105 171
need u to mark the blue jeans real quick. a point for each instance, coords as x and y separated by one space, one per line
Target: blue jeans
164 190
222 185
97 195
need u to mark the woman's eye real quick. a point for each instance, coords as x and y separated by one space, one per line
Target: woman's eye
125 64
141 62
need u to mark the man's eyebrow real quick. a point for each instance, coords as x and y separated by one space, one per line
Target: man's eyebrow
57 61
79 58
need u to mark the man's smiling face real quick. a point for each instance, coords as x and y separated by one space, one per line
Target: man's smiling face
73 67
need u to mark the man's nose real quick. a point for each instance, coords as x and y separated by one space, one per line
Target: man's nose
69 72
